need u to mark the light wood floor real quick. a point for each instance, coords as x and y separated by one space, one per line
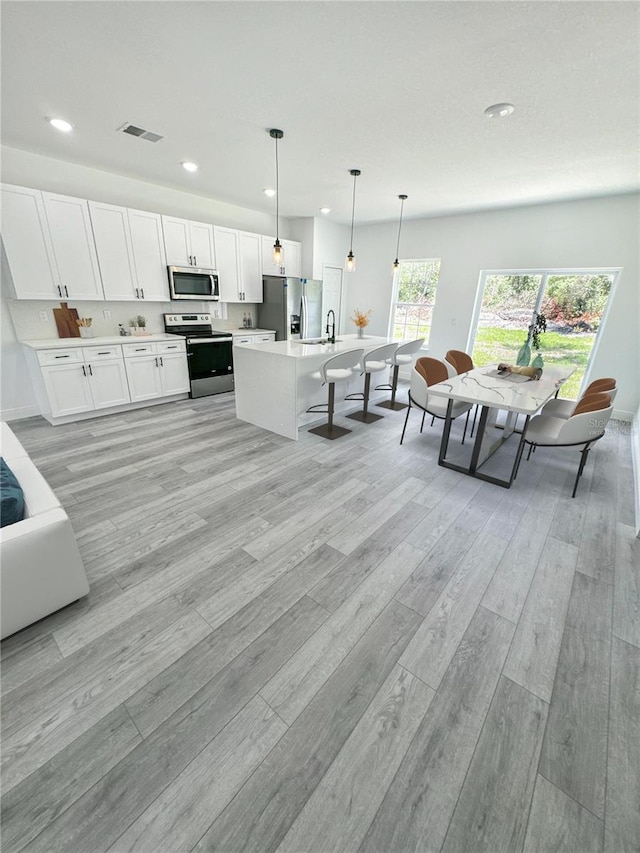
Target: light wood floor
326 646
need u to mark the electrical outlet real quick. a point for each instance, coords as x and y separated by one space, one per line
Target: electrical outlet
43 316
107 314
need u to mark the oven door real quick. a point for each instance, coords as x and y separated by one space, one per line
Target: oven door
210 365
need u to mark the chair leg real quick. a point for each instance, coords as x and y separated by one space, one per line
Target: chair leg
531 446
328 429
422 423
406 421
466 424
433 420
518 458
392 404
473 425
364 415
332 402
583 460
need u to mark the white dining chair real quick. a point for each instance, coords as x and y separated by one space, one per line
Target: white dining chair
429 371
562 408
585 426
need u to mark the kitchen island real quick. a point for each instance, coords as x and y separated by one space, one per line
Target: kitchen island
275 384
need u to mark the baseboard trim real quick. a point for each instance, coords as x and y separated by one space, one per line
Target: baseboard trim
635 457
19 413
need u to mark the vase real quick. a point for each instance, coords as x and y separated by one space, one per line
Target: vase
537 361
524 355
360 331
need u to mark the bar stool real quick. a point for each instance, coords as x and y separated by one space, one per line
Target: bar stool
341 366
373 362
403 355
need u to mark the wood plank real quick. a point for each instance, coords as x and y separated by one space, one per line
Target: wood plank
491 813
533 657
557 824
340 810
415 813
98 818
626 586
430 652
622 826
598 543
263 811
443 515
42 654
295 685
45 794
186 808
575 743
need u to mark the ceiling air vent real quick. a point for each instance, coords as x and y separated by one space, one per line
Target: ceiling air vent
133 130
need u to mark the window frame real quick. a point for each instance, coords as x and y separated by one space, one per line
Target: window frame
394 298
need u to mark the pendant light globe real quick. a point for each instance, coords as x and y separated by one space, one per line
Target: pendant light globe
351 258
278 253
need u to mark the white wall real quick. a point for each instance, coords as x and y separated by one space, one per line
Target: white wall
602 232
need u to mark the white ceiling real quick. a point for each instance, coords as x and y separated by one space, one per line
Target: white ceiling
397 89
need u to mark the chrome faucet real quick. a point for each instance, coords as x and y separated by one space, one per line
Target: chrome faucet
331 337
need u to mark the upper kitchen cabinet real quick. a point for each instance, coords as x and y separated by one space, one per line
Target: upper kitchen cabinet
292 256
130 251
73 246
27 244
239 265
188 243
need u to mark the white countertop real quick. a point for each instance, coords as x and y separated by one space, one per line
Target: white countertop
239 333
297 349
104 340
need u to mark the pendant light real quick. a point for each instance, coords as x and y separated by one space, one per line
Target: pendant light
351 260
278 253
396 263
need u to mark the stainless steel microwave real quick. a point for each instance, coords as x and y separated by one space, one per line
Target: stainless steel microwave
193 283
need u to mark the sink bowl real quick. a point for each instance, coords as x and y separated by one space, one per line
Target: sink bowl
316 342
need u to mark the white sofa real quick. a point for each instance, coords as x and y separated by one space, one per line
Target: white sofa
40 565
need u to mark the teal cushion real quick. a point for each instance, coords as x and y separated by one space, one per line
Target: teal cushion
11 496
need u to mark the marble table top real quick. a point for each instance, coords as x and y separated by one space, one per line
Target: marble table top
484 387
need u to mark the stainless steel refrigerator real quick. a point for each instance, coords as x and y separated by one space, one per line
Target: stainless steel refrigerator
291 306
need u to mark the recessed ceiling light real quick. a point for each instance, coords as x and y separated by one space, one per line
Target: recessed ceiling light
190 167
269 192
325 210
499 110
60 124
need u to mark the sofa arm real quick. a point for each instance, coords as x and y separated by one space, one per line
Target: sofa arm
40 569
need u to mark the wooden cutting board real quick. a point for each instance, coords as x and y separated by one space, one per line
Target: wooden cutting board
65 318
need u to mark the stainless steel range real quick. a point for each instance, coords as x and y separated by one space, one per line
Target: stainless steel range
209 353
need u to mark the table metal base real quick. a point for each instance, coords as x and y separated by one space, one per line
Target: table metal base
485 444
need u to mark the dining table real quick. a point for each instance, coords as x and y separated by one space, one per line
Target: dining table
501 398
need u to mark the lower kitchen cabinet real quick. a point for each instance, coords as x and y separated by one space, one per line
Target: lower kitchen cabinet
92 378
156 370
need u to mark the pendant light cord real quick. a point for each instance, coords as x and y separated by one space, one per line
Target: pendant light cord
277 195
353 211
399 229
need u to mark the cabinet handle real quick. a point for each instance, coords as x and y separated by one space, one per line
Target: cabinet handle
195 261
174 346
191 260
142 291
62 356
161 362
90 371
104 353
156 361
137 294
59 291
84 372
140 349
66 292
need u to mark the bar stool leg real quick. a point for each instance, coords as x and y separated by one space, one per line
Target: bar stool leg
391 404
365 416
330 430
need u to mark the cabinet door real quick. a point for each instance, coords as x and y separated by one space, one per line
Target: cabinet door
174 373
292 258
176 241
227 259
268 266
202 246
27 244
108 383
143 376
73 246
68 389
113 246
250 254
149 259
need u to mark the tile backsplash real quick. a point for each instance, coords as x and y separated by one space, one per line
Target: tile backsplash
30 325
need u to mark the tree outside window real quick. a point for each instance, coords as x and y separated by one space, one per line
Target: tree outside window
415 286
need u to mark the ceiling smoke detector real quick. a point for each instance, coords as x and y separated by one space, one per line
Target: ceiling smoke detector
499 110
134 130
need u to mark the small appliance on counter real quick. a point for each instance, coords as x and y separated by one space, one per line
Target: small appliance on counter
209 353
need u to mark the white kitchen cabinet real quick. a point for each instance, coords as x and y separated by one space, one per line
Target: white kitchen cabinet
130 252
83 379
27 244
292 258
73 246
188 243
156 370
261 338
239 265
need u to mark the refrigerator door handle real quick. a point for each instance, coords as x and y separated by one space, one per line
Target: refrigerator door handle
303 318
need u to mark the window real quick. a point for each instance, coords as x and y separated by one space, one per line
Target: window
415 285
573 304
